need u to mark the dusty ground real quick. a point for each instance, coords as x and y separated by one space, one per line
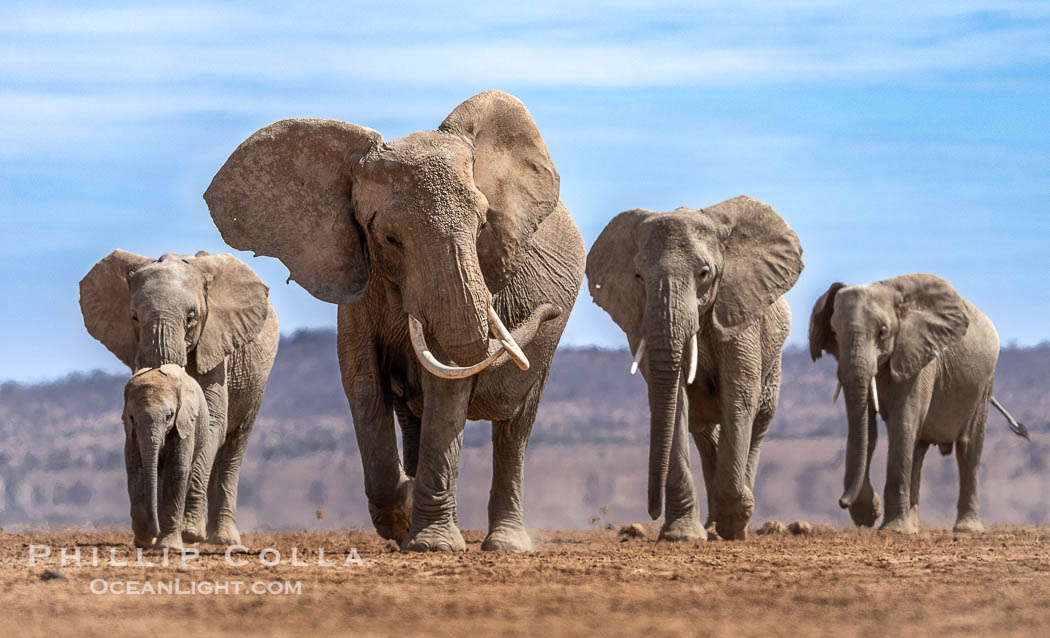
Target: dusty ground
834 583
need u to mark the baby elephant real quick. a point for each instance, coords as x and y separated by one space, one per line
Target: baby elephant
913 350
168 451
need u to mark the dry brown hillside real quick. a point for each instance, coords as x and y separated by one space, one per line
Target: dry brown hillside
61 444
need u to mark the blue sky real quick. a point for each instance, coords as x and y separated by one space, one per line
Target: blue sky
894 140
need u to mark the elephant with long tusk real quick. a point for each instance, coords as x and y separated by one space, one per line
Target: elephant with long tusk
454 265
699 294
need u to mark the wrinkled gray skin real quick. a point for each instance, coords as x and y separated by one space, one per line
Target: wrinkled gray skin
437 225
933 356
212 315
167 440
718 273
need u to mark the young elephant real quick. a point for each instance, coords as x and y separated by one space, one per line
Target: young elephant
210 314
168 451
913 350
699 294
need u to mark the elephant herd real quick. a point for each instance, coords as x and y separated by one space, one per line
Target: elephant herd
455 266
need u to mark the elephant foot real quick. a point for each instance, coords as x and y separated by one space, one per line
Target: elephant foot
169 541
145 542
867 509
712 532
443 537
507 539
902 524
226 534
685 528
732 512
392 521
193 532
968 525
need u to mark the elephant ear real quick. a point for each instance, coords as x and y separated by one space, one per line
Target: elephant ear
931 316
515 173
611 272
821 338
285 193
762 261
238 304
105 302
188 410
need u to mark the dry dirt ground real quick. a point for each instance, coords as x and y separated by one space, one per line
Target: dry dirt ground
833 583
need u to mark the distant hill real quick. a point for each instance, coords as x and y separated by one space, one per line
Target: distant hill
61 447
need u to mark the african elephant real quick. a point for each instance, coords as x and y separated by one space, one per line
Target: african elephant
427 243
699 294
909 348
212 315
166 437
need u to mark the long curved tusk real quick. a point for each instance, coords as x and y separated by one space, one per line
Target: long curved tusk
692 360
505 338
838 389
638 356
435 367
875 395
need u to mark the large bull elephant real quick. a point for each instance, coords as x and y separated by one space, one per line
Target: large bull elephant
909 348
699 294
428 243
211 315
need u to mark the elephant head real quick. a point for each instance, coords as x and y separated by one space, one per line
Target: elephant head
442 217
153 312
902 323
663 277
158 402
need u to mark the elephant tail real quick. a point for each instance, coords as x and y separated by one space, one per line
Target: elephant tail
1017 428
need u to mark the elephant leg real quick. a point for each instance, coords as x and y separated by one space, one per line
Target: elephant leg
968 458
917 457
222 489
682 515
767 407
901 433
510 438
705 435
387 487
733 502
194 525
137 495
434 524
176 475
410 425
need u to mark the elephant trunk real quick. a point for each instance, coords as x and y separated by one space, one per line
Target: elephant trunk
860 412
162 341
669 326
457 307
149 451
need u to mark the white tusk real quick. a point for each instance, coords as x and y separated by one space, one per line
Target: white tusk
638 356
692 360
509 344
838 389
875 395
435 367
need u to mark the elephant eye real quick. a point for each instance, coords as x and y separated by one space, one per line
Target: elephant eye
191 316
390 239
704 272
637 276
134 316
883 331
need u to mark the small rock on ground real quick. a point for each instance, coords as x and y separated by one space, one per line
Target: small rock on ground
772 527
634 530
